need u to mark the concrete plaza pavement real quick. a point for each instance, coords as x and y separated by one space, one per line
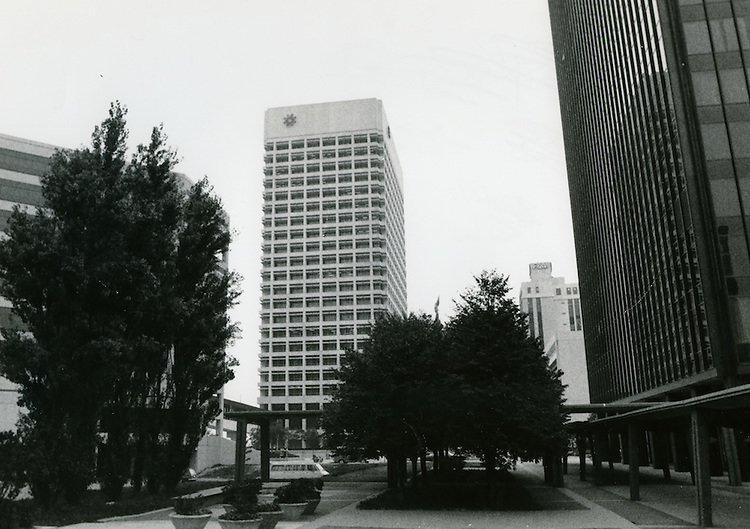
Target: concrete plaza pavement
580 505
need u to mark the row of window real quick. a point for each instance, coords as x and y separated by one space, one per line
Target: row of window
316 180
279 290
343 286
282 170
332 301
558 291
345 152
332 205
316 233
375 189
296 361
328 330
312 220
330 273
326 259
343 217
309 346
295 406
297 376
296 391
326 316
328 141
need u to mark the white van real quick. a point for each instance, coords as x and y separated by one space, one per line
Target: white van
293 469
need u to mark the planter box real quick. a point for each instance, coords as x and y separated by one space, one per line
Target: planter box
292 511
184 521
311 506
270 519
240 524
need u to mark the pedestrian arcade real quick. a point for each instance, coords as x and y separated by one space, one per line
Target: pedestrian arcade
263 419
720 411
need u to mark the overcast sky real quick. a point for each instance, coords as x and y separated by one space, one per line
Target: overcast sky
468 87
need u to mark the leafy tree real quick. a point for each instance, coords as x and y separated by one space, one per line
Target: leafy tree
11 469
63 270
205 293
122 307
504 398
385 403
480 385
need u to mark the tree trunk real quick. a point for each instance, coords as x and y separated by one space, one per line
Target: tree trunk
392 471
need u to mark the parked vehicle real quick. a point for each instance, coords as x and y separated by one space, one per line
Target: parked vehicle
293 469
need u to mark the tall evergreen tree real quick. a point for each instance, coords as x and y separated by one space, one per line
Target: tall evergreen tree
108 280
505 397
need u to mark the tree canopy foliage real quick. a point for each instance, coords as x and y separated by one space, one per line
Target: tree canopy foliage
477 385
121 302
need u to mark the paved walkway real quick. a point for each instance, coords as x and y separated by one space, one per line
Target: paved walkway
581 505
669 504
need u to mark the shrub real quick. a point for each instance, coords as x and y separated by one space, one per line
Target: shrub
241 514
242 494
12 477
269 507
292 492
190 506
309 486
15 514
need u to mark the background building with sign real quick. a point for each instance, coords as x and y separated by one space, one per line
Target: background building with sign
554 316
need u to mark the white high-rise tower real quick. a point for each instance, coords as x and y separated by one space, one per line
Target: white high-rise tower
333 245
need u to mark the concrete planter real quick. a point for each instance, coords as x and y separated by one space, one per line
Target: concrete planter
311 506
292 511
270 519
189 521
240 524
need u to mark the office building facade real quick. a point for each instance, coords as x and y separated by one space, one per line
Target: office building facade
333 245
656 121
22 163
554 315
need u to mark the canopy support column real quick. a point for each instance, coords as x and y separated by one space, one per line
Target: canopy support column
701 466
239 451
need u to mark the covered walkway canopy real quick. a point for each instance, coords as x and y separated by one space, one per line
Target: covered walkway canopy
726 409
261 418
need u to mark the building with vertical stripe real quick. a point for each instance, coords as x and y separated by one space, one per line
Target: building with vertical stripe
334 253
553 308
656 121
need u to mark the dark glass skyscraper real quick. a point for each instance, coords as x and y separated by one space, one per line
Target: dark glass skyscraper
656 120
